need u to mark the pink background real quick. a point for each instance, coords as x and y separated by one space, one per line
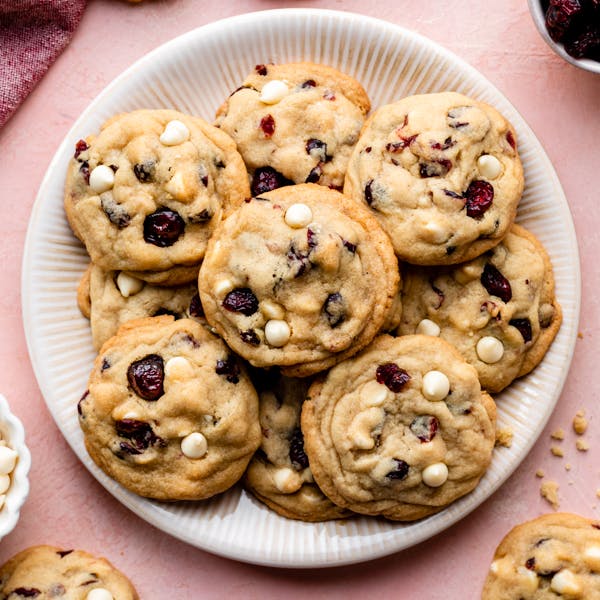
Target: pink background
67 507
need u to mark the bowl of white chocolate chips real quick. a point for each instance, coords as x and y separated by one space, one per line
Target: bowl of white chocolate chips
15 461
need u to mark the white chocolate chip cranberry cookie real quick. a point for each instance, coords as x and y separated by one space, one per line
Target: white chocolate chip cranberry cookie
46 572
279 474
301 277
145 194
553 556
111 298
499 310
295 123
442 175
400 430
169 413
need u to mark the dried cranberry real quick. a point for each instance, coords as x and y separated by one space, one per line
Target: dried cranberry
250 337
436 168
329 95
298 262
510 138
369 192
448 143
105 364
530 563
195 308
454 116
334 309
266 179
229 368
479 197
586 43
116 214
392 376
241 300
453 194
495 283
27 592
424 427
63 553
524 327
80 146
146 377
562 15
261 69
297 454
311 238
202 217
139 433
404 142
317 149
267 124
400 471
309 83
349 246
84 169
315 174
145 171
163 227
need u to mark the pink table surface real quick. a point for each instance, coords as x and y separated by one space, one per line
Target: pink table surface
67 507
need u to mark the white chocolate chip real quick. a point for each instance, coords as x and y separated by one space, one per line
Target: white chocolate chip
178 368
466 273
490 349
363 426
428 327
528 578
435 385
180 186
102 178
307 476
128 285
272 310
4 483
435 475
223 287
298 215
273 91
8 459
489 166
175 133
99 594
286 480
194 445
565 582
434 232
277 333
373 394
591 557
502 567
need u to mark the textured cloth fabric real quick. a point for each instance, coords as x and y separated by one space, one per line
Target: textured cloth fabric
32 34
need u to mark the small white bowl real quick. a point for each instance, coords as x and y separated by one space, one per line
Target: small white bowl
537 14
13 434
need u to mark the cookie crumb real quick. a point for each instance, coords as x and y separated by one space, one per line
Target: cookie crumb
580 335
559 434
568 467
580 422
557 451
540 473
549 492
504 437
582 445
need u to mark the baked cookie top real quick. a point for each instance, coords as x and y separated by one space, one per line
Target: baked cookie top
111 298
400 430
441 173
279 474
499 310
169 413
46 572
554 556
146 193
300 277
295 123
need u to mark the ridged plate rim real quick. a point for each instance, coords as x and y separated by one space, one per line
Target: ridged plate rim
234 525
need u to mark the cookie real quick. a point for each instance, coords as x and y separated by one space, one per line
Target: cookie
145 194
114 297
169 413
553 556
400 430
295 123
279 474
300 277
441 173
46 572
499 309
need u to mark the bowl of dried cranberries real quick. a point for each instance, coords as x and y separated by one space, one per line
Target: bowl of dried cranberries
571 28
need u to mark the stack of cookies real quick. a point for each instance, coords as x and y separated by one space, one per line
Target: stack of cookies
316 298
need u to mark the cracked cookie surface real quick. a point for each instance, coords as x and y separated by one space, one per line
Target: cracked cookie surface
442 175
170 413
300 277
400 430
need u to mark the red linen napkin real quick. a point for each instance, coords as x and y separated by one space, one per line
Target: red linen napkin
32 34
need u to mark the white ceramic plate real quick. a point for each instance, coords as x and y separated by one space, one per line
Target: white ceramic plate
194 73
